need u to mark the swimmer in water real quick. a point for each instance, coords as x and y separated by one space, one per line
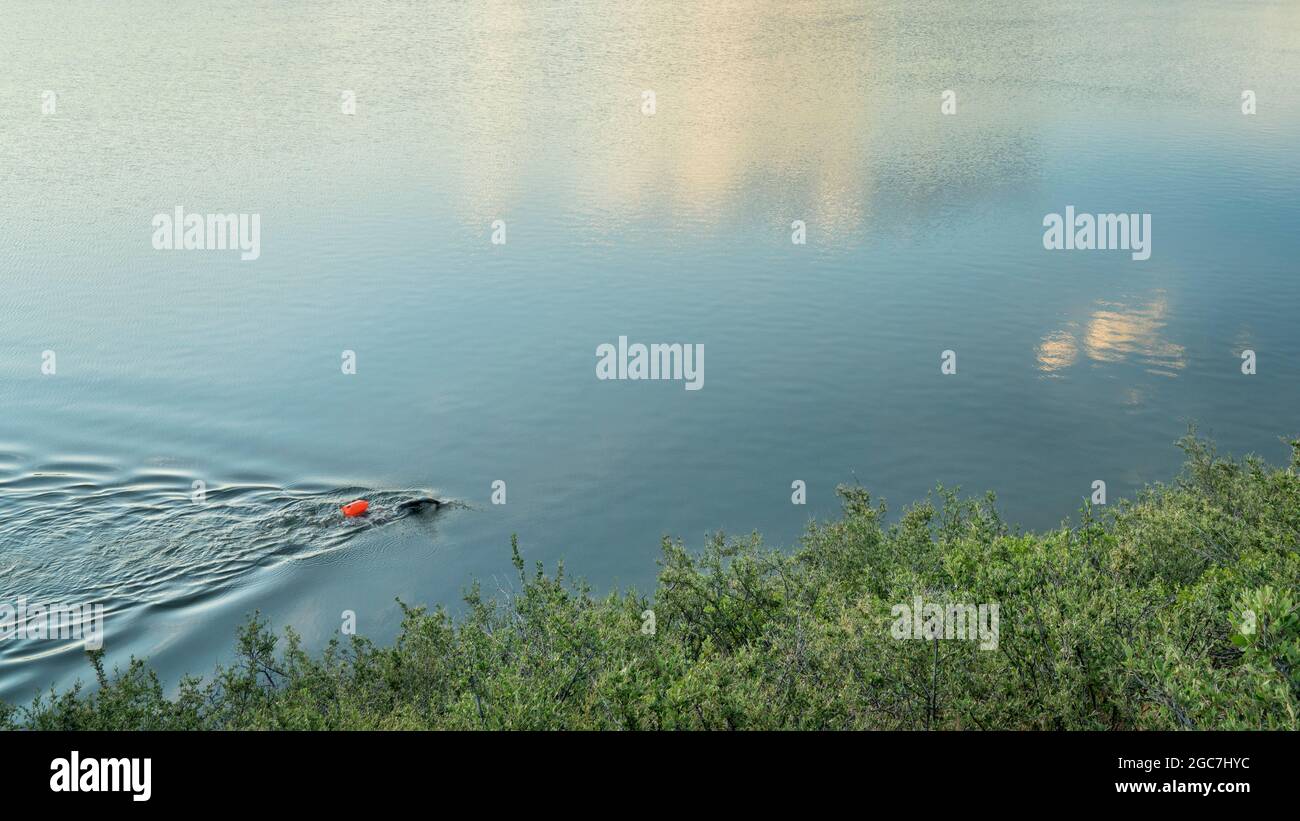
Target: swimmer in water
411 507
419 505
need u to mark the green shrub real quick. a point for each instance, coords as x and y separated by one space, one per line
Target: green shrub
1174 610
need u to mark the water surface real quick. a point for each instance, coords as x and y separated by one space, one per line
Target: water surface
475 362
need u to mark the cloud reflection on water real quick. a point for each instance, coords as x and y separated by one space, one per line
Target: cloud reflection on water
1115 333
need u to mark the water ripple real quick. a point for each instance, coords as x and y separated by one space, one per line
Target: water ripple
78 531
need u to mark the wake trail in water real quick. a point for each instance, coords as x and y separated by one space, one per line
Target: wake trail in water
68 532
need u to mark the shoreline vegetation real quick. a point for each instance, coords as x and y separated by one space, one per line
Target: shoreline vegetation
1175 610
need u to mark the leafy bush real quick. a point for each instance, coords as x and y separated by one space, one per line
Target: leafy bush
1174 610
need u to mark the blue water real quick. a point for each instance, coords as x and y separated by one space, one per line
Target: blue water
476 362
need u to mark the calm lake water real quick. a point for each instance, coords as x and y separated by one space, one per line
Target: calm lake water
476 362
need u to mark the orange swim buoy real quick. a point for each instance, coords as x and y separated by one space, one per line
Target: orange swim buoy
356 508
